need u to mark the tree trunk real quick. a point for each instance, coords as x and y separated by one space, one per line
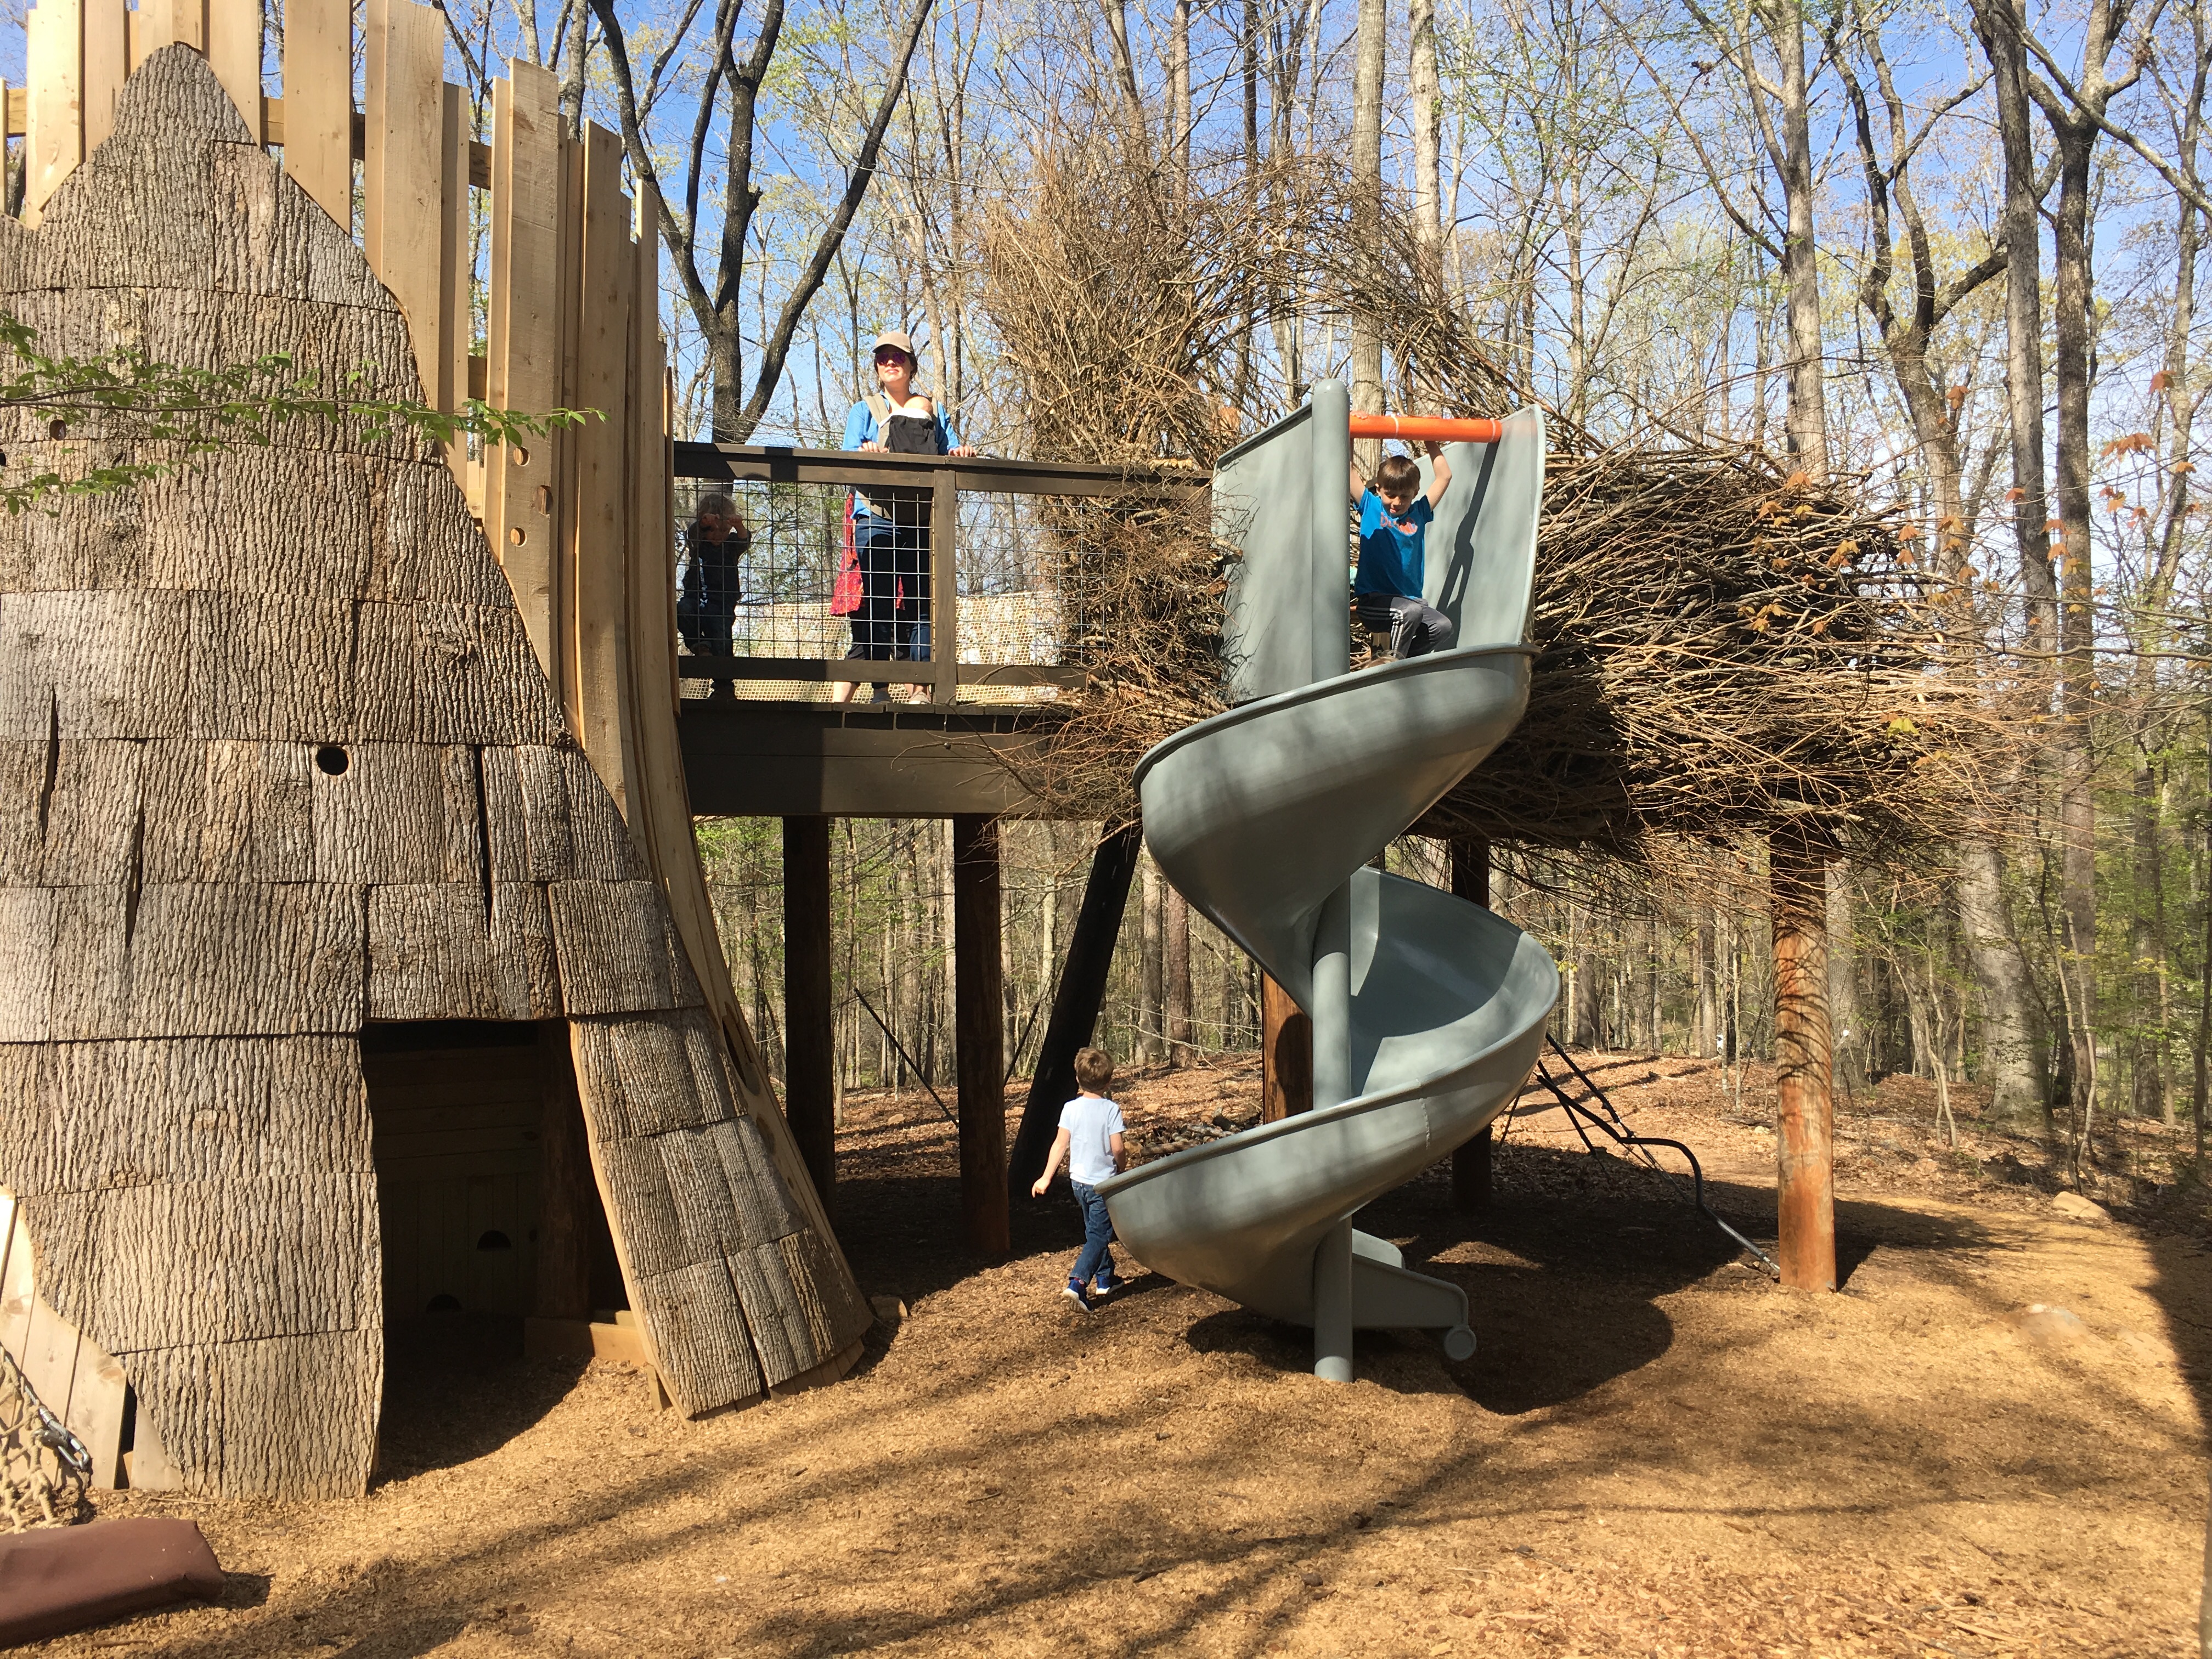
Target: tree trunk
1369 45
1805 1106
2011 1049
1842 980
1426 98
1152 997
1801 272
1175 969
1179 115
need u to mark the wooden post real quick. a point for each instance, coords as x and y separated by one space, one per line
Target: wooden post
568 1193
945 590
979 1024
319 102
1286 1055
1470 880
810 1063
1075 1004
1805 1102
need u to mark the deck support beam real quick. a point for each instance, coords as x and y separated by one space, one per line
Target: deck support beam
980 1029
1805 1171
1470 880
1286 1055
809 1056
1075 1004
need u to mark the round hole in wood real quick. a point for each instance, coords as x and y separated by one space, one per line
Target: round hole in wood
517 455
442 1302
332 760
495 1240
514 534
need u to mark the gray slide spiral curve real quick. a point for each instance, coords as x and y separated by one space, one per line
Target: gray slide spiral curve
1428 1011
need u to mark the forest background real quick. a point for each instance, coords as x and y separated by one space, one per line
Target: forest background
1940 255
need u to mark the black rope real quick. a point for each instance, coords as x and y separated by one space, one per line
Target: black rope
1615 1127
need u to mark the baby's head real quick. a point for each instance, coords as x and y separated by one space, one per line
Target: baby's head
1094 1070
1397 480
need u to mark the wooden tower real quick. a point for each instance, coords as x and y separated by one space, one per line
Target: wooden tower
278 763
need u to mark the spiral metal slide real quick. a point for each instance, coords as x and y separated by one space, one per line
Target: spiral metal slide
1428 1011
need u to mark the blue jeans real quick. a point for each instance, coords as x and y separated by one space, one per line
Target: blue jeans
892 624
1096 1261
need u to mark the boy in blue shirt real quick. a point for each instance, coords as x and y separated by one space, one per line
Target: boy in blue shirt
1395 514
1090 1137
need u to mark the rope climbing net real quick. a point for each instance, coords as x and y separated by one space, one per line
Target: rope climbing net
43 1468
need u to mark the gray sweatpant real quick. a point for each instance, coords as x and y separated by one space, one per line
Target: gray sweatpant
1415 629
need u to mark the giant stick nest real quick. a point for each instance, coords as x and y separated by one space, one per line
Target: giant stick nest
1723 643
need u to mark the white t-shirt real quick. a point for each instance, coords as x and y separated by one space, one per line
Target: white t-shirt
1090 1119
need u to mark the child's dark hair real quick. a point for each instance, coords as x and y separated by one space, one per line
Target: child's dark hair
1398 475
1094 1068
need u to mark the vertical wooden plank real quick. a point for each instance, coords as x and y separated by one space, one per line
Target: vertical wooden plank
97 1398
944 589
980 1038
49 1356
598 545
567 1198
319 102
405 201
456 267
571 454
524 345
15 1289
107 62
375 41
234 53
53 51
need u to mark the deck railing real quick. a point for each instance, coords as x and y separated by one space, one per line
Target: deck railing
1001 620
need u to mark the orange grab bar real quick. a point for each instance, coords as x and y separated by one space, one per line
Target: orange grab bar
1420 427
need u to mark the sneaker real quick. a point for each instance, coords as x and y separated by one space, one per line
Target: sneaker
1074 1293
1107 1286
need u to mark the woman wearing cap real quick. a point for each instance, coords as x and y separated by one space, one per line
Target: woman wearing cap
891 528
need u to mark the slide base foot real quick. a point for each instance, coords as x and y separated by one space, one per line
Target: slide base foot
1333 1305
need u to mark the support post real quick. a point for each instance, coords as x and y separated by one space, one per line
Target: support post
1471 1159
810 1065
1805 1110
568 1194
1075 1004
944 589
1286 1055
979 1025
1333 1304
1332 1002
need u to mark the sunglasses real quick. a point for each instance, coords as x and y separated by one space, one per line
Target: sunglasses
892 355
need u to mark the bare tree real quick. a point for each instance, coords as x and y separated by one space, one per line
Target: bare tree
715 305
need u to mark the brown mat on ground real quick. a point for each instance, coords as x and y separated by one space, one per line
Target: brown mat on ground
64 1578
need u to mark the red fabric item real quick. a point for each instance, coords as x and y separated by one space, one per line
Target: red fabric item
845 597
57 1579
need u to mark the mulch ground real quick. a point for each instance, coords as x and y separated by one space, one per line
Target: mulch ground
1989 1443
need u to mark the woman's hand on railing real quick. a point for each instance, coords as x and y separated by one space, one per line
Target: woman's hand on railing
966 452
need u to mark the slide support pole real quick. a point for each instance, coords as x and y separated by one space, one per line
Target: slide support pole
1333 1304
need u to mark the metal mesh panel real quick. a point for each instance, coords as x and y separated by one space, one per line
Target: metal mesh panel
1009 608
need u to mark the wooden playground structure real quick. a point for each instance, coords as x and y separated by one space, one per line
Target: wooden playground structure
474 1045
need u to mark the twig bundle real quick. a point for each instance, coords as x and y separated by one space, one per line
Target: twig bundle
1722 644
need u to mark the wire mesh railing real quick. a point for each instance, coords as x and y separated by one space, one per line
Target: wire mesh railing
949 571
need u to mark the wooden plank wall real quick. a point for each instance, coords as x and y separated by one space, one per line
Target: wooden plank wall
580 523
75 1379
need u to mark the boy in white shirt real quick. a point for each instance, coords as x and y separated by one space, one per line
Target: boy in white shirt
1089 1139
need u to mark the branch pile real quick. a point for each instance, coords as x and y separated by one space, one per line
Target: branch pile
1722 644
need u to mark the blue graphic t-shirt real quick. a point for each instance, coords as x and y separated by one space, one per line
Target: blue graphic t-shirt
1390 554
